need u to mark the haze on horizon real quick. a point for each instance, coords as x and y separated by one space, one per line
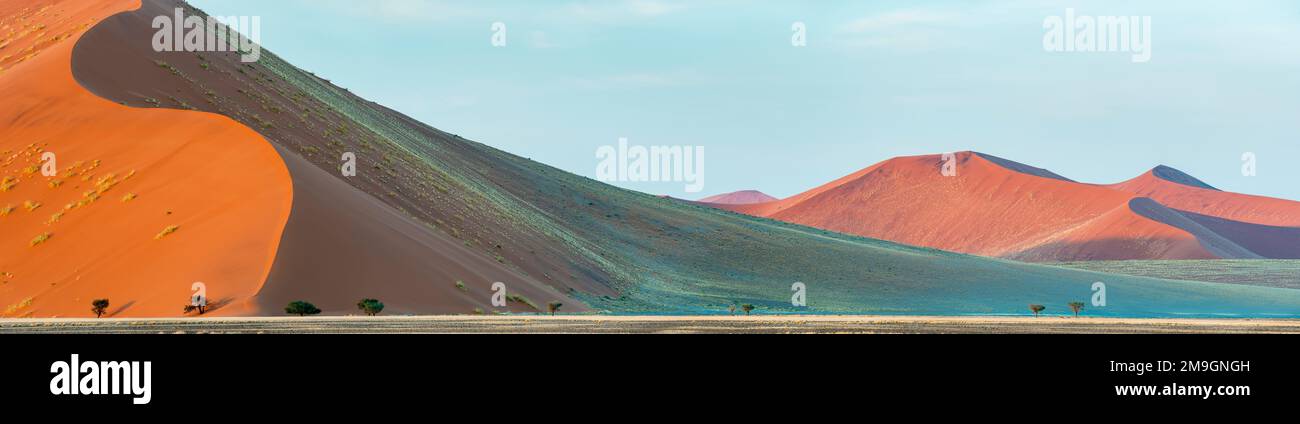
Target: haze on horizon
876 80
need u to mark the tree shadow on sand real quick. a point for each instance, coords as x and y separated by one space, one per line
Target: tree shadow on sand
120 309
212 306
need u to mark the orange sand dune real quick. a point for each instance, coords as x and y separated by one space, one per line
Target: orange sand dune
221 184
995 207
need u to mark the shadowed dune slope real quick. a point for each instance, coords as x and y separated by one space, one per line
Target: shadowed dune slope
1266 241
490 214
123 176
1268 227
1161 185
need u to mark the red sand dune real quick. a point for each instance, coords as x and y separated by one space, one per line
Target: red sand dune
1171 188
220 183
743 197
996 207
1267 226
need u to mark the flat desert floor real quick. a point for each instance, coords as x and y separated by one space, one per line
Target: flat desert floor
649 324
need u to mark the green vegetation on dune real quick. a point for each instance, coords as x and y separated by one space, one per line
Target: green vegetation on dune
684 258
667 256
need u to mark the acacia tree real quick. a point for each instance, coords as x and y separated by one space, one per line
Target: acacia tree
197 303
1076 307
747 307
301 308
1037 309
98 307
554 307
371 307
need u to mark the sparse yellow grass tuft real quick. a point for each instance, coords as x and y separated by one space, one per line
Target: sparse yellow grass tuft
90 196
31 169
55 183
18 306
170 229
129 197
6 210
31 205
41 239
8 183
105 183
55 218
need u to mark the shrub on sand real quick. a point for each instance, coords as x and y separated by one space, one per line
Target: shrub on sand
301 308
170 229
1076 307
371 307
98 307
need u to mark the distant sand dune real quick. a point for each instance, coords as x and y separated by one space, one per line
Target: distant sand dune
997 207
743 197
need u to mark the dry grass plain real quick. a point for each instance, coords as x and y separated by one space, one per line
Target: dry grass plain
594 324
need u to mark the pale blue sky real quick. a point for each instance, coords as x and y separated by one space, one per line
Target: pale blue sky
877 79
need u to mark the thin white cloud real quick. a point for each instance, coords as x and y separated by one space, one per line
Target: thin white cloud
642 80
653 8
539 40
906 29
898 19
617 11
405 10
